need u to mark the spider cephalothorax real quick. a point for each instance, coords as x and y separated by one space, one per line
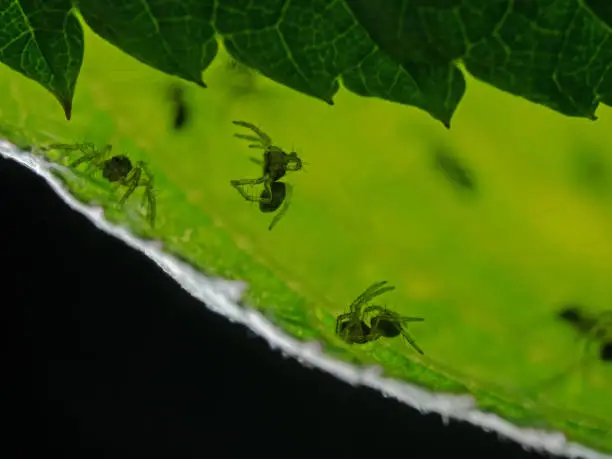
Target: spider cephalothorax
352 327
117 169
275 165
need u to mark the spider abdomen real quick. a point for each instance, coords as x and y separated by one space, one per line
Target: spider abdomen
386 327
279 192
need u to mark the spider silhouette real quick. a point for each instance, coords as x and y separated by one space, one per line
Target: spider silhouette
595 329
117 169
352 327
275 165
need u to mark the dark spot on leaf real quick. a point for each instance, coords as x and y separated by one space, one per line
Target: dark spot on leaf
606 352
453 170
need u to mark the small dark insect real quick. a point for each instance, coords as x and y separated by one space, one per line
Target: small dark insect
595 329
117 169
454 171
275 164
352 328
181 112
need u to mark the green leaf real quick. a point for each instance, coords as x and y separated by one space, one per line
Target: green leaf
306 46
43 40
309 45
602 9
556 53
552 52
173 36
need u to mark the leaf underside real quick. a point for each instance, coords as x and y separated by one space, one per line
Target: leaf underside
43 40
557 53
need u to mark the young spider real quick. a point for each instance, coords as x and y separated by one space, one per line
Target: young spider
594 329
117 169
275 165
352 328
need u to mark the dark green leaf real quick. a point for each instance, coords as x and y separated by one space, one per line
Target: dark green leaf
557 53
602 9
434 88
306 46
174 36
43 40
309 45
552 52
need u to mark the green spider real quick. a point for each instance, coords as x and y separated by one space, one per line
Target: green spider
352 328
275 164
117 169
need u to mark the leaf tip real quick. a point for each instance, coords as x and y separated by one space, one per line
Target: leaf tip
446 124
201 84
67 106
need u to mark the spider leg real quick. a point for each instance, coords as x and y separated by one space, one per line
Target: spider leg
339 321
263 137
411 319
149 196
257 161
149 175
84 147
410 340
371 292
132 183
242 182
268 188
96 156
284 209
252 138
371 309
84 159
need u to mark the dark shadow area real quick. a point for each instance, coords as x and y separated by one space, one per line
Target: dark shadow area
454 171
590 170
180 107
113 359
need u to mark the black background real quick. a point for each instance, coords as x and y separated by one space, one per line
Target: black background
111 358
